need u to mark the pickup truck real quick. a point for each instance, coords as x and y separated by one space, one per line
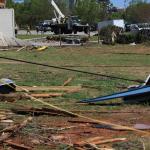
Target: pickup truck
44 26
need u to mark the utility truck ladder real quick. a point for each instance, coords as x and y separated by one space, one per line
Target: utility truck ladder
61 15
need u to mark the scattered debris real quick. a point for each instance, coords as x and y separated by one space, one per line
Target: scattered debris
95 124
47 95
67 81
10 131
21 48
17 146
48 88
142 127
42 48
133 44
107 112
7 86
12 42
22 96
40 111
89 140
93 142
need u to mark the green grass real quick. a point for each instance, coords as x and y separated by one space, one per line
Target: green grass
31 75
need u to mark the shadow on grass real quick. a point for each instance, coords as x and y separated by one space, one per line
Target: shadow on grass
106 104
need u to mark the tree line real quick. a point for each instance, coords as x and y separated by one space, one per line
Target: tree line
89 11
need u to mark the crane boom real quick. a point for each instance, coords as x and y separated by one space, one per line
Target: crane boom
61 15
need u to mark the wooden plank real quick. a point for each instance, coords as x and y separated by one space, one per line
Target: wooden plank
98 141
47 95
107 112
49 88
19 96
67 81
40 111
109 141
17 146
21 49
89 140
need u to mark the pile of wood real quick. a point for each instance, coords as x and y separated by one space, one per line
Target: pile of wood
39 111
11 131
39 92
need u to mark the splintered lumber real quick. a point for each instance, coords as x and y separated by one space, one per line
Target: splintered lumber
98 141
93 146
47 95
21 49
79 148
99 125
48 88
13 130
9 129
67 81
88 118
113 125
19 96
107 112
80 121
39 111
109 141
89 140
17 146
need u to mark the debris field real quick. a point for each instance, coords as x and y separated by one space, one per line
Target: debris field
43 117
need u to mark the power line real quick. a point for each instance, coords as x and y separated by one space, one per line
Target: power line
72 70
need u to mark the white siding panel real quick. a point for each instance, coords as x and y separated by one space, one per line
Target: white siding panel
7 23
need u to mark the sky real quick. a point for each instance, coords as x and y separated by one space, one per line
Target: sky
120 3
117 3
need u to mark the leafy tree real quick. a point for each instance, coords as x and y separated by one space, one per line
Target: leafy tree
138 12
10 4
32 11
91 11
134 2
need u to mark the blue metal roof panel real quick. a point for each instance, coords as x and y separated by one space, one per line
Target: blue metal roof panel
133 92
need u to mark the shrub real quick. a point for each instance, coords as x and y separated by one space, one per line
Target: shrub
106 33
140 37
143 36
127 38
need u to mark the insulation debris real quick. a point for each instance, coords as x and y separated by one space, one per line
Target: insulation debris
12 41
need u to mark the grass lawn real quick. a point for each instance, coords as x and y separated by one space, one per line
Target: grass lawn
127 61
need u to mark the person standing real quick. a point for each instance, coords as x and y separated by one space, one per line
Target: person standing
28 30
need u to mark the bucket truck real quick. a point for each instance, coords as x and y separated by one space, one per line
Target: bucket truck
66 25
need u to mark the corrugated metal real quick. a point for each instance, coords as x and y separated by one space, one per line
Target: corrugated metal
134 92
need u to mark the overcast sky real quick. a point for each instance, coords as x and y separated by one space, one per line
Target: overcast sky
120 3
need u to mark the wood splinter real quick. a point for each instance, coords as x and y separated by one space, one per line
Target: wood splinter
7 133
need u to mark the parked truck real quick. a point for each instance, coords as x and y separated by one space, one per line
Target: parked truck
118 23
66 25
